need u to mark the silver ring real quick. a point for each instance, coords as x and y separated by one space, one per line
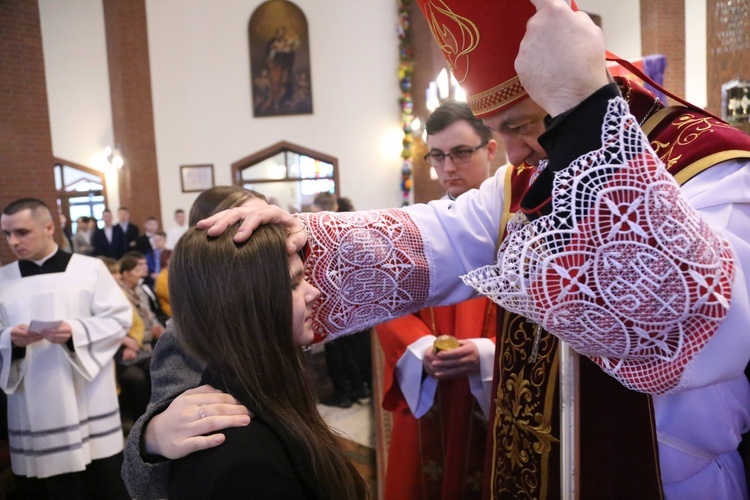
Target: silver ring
201 412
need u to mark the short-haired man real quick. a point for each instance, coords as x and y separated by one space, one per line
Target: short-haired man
145 242
178 229
62 317
441 401
324 202
130 231
109 240
82 239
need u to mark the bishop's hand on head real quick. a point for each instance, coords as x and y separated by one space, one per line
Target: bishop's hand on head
561 59
252 218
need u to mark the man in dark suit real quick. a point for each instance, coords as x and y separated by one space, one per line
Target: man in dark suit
109 240
129 231
145 242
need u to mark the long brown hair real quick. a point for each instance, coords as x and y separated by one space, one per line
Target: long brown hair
219 198
232 307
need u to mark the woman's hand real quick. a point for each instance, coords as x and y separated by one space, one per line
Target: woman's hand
186 425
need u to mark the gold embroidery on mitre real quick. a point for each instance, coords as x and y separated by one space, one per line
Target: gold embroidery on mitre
457 42
496 97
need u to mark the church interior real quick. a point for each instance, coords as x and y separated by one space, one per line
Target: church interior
146 103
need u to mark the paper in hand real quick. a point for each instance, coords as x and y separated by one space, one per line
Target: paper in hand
38 326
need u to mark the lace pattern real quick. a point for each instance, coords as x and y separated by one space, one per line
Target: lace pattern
623 269
369 267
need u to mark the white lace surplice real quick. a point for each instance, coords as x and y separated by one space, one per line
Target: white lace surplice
637 280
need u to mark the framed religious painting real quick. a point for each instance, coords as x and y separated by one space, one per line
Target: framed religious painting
279 60
194 178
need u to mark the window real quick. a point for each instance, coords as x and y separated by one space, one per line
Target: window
80 191
288 175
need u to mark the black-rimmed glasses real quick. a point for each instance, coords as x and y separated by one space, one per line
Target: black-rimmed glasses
458 156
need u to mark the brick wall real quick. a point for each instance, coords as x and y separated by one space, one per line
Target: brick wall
663 32
25 140
132 109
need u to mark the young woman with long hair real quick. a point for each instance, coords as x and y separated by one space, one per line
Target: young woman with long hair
244 310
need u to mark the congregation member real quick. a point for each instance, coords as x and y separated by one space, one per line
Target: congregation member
145 242
440 398
145 286
109 240
161 288
153 257
62 318
132 362
633 255
130 231
132 270
66 235
179 228
82 238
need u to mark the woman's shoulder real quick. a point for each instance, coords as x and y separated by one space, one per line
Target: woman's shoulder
254 461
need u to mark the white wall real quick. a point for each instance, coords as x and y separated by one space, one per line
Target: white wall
621 24
696 76
201 90
75 63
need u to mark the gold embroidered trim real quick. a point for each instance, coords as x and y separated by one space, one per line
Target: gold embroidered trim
657 118
456 46
496 97
523 415
699 166
506 205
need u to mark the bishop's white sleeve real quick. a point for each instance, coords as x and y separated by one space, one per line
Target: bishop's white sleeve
375 266
721 195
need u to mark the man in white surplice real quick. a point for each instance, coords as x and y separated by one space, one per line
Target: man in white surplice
62 318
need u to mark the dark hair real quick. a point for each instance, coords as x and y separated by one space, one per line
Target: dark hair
37 207
232 308
345 205
160 233
112 264
325 201
219 198
128 262
179 211
151 217
135 254
451 112
166 254
124 209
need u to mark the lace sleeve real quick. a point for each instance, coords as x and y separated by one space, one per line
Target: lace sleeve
623 269
370 267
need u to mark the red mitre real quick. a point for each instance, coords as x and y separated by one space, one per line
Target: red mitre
480 41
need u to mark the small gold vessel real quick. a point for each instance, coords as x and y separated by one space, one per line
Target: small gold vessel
445 343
